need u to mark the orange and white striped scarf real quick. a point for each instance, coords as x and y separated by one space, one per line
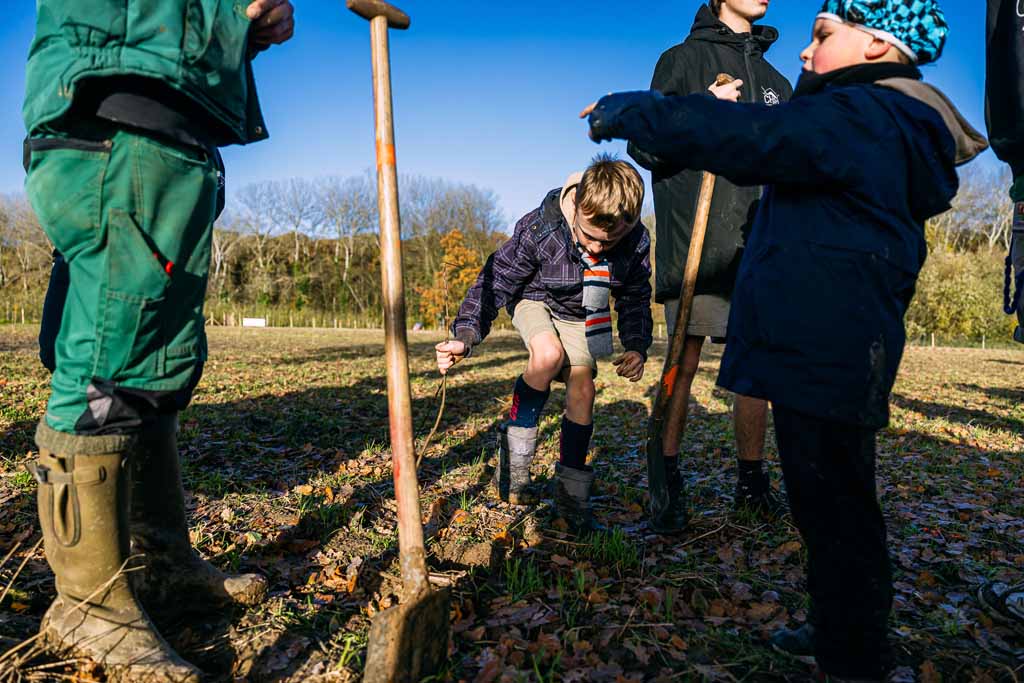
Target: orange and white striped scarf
597 276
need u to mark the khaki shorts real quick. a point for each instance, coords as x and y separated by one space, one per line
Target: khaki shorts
708 318
533 317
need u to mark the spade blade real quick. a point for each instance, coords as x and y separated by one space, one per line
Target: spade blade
410 641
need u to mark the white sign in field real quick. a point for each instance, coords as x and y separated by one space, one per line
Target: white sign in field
254 322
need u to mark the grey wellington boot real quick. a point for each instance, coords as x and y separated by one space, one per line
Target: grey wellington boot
516 446
572 498
176 579
84 496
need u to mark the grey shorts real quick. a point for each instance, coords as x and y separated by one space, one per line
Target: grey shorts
708 318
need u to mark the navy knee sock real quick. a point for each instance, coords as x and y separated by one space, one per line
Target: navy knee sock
574 444
527 404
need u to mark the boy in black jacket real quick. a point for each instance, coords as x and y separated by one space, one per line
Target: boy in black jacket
723 39
854 165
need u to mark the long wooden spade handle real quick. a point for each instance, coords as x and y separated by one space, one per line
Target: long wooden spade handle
412 554
670 375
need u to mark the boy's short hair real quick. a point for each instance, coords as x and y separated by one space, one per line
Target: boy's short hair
716 6
611 192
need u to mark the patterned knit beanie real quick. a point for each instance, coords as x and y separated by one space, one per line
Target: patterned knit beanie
917 28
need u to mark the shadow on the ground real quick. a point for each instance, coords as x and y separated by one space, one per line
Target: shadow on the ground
962 415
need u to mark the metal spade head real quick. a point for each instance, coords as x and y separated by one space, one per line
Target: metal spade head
410 641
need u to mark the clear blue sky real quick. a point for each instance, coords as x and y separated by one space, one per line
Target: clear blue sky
485 93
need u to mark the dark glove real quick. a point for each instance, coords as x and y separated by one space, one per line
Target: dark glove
605 120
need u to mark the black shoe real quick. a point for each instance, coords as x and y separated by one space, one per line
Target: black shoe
797 643
764 502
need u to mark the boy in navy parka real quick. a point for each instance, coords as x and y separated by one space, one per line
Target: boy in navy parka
854 165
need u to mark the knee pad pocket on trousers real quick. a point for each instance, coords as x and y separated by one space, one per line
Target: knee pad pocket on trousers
130 345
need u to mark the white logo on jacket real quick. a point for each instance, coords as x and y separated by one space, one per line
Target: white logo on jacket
770 97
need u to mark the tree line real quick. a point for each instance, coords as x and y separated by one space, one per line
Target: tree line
304 251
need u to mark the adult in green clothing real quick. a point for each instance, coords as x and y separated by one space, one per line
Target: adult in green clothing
126 104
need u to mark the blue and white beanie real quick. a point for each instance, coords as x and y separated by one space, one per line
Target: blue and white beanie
917 28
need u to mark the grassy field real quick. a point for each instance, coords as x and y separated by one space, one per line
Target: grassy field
287 466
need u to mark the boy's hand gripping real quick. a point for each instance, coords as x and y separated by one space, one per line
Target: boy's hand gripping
448 354
630 365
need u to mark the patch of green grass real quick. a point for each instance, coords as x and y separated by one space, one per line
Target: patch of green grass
211 482
571 596
22 481
322 519
612 548
546 674
522 578
466 501
381 541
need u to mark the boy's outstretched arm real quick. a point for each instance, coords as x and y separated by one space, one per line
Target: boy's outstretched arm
798 142
502 278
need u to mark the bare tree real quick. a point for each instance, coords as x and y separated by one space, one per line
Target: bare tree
348 208
23 237
255 217
294 209
227 236
981 215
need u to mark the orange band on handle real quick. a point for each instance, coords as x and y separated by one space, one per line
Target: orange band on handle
385 155
669 381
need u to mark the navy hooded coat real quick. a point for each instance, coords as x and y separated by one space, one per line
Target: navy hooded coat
852 171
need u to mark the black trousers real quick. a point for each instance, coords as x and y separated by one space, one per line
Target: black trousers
829 469
53 309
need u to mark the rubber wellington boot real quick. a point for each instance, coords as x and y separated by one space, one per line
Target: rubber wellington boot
676 517
176 580
516 446
572 498
84 496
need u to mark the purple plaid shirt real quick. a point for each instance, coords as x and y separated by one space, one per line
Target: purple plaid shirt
541 263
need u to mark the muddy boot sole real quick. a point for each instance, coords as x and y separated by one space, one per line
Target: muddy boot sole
168 667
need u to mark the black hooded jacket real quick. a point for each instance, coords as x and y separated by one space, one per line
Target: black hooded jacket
711 48
1004 94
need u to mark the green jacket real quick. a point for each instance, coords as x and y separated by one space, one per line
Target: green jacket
197 47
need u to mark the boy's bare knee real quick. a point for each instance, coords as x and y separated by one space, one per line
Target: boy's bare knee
580 394
582 388
546 354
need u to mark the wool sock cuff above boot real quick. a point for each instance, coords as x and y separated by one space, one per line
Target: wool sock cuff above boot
62 443
527 404
574 444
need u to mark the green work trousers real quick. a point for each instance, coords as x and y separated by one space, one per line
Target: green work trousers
133 216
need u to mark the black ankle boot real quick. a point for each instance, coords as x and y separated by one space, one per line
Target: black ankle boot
676 517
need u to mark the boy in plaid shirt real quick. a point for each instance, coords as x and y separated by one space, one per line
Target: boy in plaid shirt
583 246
